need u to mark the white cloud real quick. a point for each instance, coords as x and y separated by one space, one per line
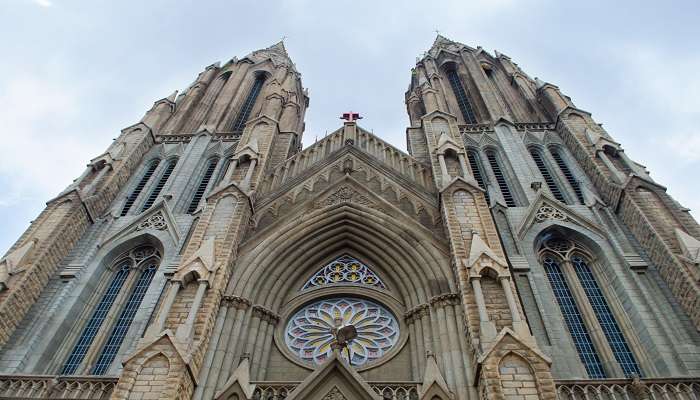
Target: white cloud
43 3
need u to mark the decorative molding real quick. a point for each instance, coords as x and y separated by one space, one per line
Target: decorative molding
156 221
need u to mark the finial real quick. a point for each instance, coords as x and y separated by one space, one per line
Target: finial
350 116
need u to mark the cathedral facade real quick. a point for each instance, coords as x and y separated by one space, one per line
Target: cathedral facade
515 252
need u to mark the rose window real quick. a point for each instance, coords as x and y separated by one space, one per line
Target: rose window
309 333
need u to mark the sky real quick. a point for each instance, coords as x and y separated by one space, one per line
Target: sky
74 73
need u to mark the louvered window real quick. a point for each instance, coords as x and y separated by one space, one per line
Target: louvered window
475 164
139 187
500 179
96 319
159 186
572 317
465 105
548 178
199 193
567 174
247 107
111 348
606 319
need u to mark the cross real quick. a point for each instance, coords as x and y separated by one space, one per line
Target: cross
350 116
283 38
437 31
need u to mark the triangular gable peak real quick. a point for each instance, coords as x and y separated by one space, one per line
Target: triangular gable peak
502 340
546 208
158 218
337 378
238 384
433 382
443 44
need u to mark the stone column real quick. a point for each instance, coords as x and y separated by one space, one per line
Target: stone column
518 326
443 169
245 184
167 306
186 331
487 328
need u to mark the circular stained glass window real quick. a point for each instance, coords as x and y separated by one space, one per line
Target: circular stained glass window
309 333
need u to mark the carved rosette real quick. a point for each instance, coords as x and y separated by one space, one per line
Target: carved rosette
155 221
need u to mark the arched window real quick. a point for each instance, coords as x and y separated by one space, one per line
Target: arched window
143 260
548 178
247 107
139 187
159 186
500 178
202 187
564 168
477 170
565 264
465 105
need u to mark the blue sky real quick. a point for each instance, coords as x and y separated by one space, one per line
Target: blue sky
74 73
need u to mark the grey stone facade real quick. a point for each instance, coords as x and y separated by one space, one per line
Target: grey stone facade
503 173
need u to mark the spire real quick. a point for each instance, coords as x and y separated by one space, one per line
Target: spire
279 48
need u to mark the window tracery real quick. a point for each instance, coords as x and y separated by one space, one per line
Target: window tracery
310 331
564 258
346 270
143 260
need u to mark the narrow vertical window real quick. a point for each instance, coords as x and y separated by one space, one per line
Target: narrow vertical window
222 170
111 348
475 164
159 186
96 319
139 187
465 105
567 174
574 322
247 107
548 178
606 319
500 179
199 193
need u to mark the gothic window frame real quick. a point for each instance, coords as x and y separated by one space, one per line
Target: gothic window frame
342 276
573 179
89 344
155 188
609 354
510 180
549 174
246 108
148 169
480 175
204 183
461 93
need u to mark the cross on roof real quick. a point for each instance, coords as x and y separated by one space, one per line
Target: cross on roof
350 116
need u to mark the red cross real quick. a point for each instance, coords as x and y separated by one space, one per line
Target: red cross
350 116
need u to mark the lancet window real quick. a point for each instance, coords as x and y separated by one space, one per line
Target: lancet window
465 106
548 178
500 178
247 106
139 187
203 183
477 170
123 293
564 168
159 186
576 288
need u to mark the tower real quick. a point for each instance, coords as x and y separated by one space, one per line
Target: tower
515 252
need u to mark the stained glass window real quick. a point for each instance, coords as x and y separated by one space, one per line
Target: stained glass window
572 318
97 318
309 332
606 319
345 269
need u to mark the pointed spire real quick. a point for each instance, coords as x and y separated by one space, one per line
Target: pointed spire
279 47
238 382
539 82
172 96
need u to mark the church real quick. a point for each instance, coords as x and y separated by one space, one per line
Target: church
514 252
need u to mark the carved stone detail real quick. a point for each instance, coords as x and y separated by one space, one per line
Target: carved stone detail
548 212
345 194
155 221
334 394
